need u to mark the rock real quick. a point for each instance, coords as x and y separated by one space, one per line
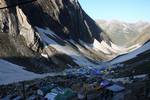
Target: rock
92 96
44 90
55 13
105 83
81 96
77 87
57 90
21 23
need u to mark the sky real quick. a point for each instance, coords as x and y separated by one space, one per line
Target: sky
123 10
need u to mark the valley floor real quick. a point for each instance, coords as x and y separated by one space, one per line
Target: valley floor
80 87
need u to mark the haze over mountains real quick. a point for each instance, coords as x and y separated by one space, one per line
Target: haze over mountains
126 34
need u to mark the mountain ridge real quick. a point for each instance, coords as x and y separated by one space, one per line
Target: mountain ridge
50 36
40 30
125 33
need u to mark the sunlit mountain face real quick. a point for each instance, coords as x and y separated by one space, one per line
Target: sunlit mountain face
126 34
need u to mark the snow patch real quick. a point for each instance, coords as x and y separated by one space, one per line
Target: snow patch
101 46
132 54
68 50
11 73
125 80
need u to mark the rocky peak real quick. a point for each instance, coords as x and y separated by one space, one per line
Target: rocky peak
65 17
29 23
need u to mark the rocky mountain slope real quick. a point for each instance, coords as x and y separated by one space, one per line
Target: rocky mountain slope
44 36
126 34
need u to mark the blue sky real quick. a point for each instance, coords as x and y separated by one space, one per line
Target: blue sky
124 10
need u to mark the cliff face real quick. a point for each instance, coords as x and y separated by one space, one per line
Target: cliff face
50 33
65 17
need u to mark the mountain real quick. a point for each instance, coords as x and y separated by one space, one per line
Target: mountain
132 55
45 36
39 37
49 48
126 34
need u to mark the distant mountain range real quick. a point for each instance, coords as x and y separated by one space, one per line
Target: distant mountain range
126 34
